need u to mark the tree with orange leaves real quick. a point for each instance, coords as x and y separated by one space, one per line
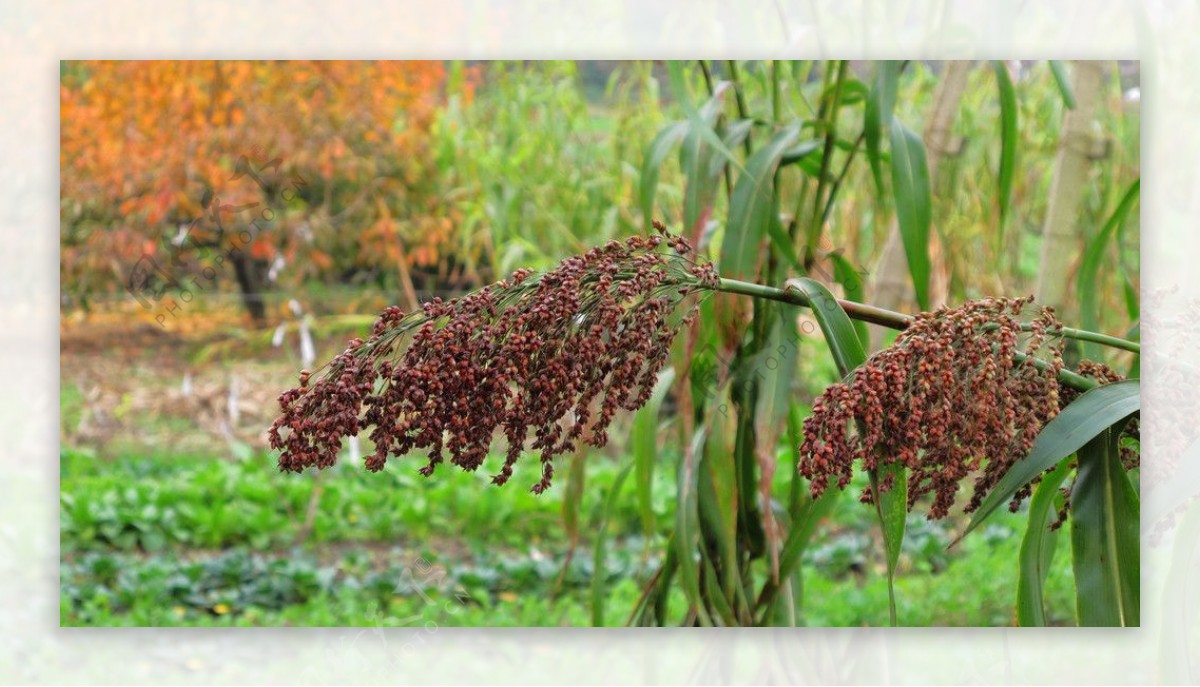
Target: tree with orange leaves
177 175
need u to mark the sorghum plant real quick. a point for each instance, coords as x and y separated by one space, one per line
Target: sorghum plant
947 400
544 360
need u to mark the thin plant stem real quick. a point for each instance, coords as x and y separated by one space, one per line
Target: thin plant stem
899 321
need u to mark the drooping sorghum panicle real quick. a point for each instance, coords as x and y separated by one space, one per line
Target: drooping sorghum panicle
545 360
949 398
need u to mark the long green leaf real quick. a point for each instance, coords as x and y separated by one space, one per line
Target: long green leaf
699 187
892 505
1059 70
910 188
800 153
836 326
644 444
1093 256
703 118
1104 536
718 487
687 526
750 206
851 280
880 103
735 133
1080 422
1008 142
1037 549
601 548
662 145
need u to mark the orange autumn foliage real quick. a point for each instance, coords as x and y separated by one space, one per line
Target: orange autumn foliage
307 158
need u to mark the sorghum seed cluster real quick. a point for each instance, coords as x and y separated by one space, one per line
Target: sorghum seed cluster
947 400
544 360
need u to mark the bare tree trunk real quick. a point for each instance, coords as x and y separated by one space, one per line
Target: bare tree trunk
1061 239
891 286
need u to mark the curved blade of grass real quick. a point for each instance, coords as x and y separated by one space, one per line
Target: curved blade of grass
644 444
910 189
663 143
719 600
687 526
1037 549
780 241
836 326
750 206
718 487
1093 256
800 153
1084 419
777 361
572 500
892 505
1104 536
878 112
851 280
1008 143
804 514
1059 70
599 581
735 133
701 119
699 186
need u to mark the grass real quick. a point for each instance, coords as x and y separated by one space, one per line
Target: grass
200 541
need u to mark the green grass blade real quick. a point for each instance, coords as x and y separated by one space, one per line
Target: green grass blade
718 487
1059 70
1093 257
910 188
735 133
601 548
851 280
1008 143
573 496
644 444
1084 419
880 102
656 154
750 206
714 593
843 341
1104 537
687 526
800 153
701 119
694 160
1037 549
891 507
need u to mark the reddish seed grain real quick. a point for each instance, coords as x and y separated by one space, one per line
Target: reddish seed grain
544 361
948 400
